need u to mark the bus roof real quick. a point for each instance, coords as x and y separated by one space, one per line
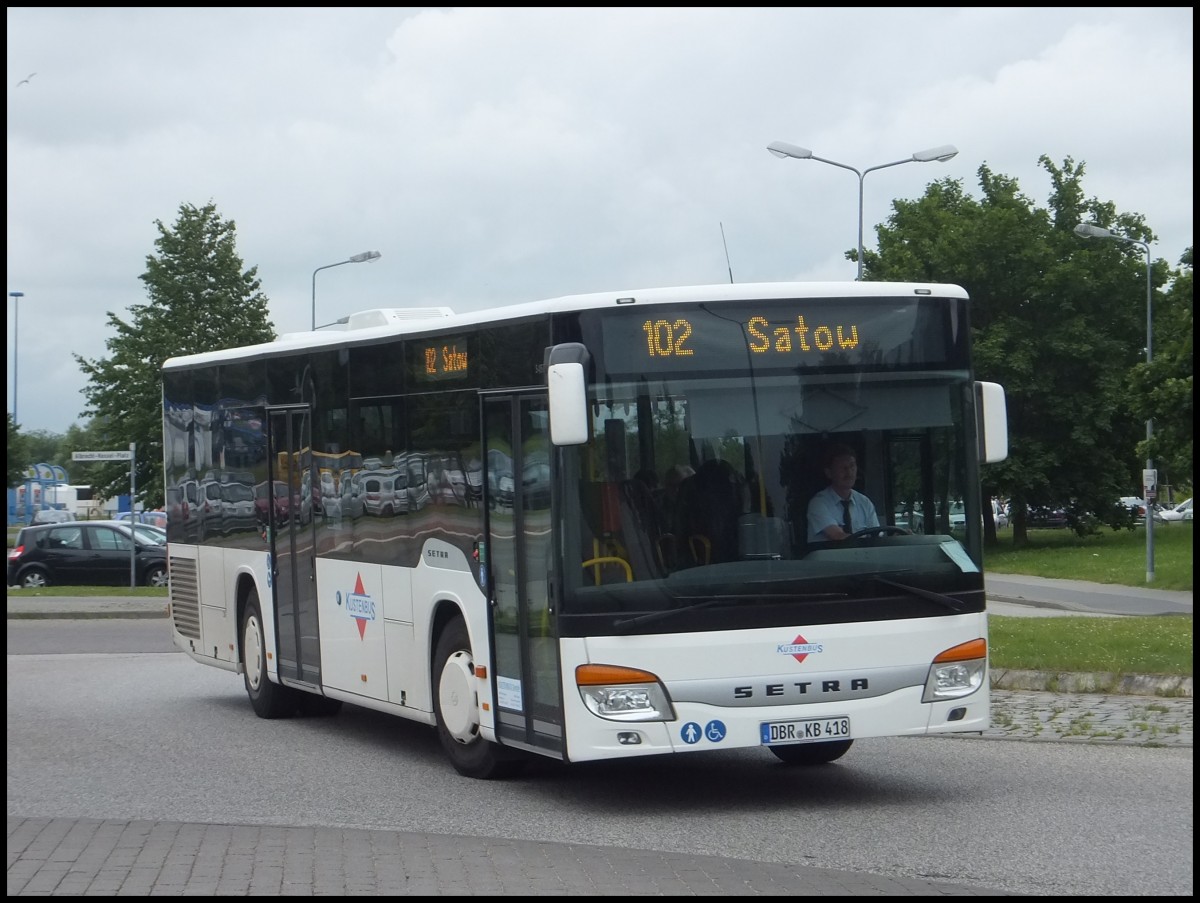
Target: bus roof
368 327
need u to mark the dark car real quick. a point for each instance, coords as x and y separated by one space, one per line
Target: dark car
1045 517
86 553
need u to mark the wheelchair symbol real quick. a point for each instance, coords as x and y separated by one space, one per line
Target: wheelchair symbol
715 731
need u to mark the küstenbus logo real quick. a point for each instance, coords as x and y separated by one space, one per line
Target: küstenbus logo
359 605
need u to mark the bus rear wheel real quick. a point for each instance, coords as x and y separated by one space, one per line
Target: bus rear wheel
456 709
270 700
812 753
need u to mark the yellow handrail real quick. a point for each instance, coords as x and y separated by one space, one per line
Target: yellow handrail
597 563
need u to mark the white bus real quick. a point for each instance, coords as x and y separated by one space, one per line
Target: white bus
613 560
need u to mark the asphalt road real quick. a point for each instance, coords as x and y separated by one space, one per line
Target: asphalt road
150 741
1080 597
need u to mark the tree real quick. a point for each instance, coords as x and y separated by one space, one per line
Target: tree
17 459
1056 321
200 299
1163 389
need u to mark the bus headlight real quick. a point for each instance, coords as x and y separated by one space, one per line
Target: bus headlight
623 694
957 672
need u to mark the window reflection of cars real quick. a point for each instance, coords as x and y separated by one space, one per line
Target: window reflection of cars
500 478
384 494
452 487
238 502
474 477
535 484
274 501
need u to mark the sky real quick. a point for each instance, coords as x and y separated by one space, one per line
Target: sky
494 156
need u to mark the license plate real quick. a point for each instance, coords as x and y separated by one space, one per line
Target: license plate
805 730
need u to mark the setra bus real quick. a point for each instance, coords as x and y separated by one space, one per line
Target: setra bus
577 528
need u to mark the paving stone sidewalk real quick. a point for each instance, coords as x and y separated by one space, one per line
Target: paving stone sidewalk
1106 719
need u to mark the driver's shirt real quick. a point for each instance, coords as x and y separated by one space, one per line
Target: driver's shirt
825 510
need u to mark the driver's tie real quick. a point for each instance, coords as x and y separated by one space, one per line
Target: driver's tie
846 516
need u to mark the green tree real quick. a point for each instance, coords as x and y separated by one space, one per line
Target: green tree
17 456
1163 389
45 447
200 299
1056 321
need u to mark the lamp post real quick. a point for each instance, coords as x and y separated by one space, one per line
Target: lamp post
357 258
940 154
1088 230
16 296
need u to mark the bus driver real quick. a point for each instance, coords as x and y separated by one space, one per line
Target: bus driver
839 510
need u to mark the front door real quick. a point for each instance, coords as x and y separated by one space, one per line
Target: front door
291 542
520 552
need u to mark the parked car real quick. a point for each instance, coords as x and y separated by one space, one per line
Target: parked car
154 518
150 533
1181 512
1042 516
1136 506
52 516
87 553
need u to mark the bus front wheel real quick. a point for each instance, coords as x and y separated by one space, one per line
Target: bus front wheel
812 753
270 700
456 708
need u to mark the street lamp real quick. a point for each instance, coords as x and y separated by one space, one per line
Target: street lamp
1088 230
357 258
939 154
16 296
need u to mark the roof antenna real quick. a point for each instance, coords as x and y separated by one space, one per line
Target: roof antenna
726 244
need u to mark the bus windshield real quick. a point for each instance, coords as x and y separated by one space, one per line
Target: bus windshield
696 487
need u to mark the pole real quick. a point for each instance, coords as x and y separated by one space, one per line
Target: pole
353 258
132 516
1149 420
16 296
938 154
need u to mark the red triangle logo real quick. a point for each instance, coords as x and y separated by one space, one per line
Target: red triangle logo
360 591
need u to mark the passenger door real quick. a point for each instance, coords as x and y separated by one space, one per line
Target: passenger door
292 547
519 554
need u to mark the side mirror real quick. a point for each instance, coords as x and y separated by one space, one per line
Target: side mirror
568 404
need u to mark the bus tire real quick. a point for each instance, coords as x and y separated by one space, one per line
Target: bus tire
456 709
812 753
270 700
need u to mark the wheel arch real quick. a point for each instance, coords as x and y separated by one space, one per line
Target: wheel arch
241 593
445 611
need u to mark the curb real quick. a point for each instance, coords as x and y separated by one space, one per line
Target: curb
60 614
1093 682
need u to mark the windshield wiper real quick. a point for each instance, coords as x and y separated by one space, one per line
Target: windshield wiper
718 600
948 601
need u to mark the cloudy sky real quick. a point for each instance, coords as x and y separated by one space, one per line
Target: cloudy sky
502 155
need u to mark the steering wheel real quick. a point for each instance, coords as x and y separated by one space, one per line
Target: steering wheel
882 530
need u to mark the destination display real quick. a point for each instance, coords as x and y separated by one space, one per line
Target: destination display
783 334
443 359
